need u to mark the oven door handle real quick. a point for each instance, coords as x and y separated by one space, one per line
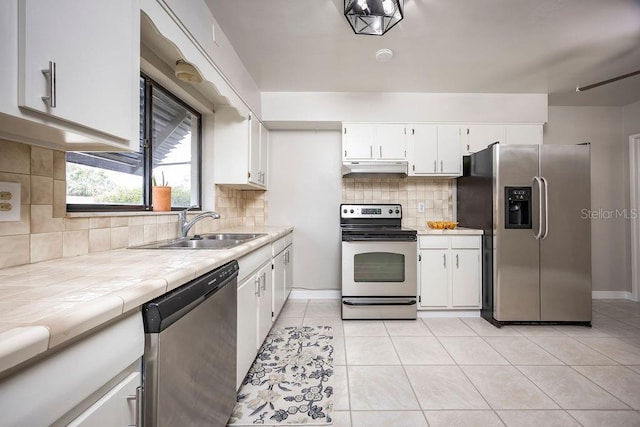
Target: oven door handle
361 301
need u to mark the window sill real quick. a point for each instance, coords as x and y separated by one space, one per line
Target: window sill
122 213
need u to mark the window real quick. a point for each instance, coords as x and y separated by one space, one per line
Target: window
170 147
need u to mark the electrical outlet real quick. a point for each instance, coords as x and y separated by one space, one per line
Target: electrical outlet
420 206
9 201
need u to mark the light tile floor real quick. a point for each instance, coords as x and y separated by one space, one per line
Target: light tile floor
465 372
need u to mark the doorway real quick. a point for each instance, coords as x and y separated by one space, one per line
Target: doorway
634 204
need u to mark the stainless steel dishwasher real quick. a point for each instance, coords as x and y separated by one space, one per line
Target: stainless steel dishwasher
189 374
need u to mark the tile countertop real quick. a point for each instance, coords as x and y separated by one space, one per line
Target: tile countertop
45 304
455 231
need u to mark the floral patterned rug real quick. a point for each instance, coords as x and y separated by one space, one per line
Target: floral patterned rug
290 382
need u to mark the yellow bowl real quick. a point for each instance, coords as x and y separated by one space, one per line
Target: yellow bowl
442 225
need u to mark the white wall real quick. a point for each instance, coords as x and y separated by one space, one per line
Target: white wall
602 127
305 190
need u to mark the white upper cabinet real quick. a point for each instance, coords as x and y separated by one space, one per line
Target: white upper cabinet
479 137
264 154
357 141
435 150
373 141
523 134
389 141
254 151
77 65
241 150
424 153
449 153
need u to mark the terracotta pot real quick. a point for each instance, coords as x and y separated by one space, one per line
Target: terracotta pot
161 199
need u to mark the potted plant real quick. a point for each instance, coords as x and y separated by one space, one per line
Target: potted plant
161 195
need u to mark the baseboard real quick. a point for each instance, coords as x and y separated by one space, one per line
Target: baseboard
448 313
314 294
612 295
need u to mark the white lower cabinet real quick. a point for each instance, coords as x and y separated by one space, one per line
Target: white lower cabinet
279 281
288 272
247 327
116 408
282 250
265 303
449 272
91 382
255 314
264 284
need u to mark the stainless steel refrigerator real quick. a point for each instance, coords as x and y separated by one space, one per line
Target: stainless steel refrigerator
532 203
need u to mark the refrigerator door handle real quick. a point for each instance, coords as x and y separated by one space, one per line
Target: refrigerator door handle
546 208
538 235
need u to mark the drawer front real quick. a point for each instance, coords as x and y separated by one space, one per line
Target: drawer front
465 242
278 246
433 242
288 239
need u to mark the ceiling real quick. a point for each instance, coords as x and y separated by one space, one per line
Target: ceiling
465 46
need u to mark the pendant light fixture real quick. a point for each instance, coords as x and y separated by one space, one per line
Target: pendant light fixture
187 72
373 17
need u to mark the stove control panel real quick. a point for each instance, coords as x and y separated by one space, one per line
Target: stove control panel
371 211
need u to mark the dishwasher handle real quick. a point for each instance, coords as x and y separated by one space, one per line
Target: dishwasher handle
162 312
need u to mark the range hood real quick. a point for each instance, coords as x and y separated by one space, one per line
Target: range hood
389 168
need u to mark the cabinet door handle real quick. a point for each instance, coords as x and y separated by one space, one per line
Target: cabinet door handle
381 151
444 260
441 168
137 400
264 281
256 282
345 153
435 169
457 262
50 74
371 151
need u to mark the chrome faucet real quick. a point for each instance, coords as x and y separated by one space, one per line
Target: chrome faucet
185 225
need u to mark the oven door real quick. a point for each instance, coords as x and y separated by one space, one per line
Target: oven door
379 269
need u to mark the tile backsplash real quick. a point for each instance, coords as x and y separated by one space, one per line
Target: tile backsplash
436 194
45 231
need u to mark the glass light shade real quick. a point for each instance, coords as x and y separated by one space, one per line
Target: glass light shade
373 17
187 72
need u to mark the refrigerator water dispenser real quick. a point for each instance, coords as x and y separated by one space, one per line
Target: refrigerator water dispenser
517 212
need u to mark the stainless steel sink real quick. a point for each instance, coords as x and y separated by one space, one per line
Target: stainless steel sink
204 241
231 236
